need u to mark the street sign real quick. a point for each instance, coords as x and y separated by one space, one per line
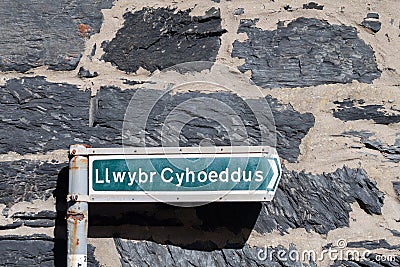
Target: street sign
170 175
183 174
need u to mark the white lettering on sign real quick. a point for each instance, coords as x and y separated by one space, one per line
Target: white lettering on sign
167 175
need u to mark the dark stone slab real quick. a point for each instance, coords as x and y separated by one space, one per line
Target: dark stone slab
44 33
239 11
351 110
160 38
313 5
373 244
44 116
319 202
26 180
373 25
37 116
372 15
307 52
112 103
84 73
36 250
147 253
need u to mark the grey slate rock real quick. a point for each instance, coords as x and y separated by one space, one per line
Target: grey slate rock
239 11
44 33
36 250
307 52
374 26
351 110
84 73
26 180
38 116
160 38
146 253
319 202
371 22
373 244
112 103
372 15
313 5
44 116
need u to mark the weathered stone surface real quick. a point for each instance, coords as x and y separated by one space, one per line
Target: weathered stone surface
46 33
305 53
319 202
36 115
84 73
44 116
160 38
373 244
351 110
26 180
152 254
313 5
390 152
112 103
371 23
36 250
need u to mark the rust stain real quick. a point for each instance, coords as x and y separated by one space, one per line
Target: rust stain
84 30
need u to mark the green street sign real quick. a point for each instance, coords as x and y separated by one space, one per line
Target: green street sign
233 174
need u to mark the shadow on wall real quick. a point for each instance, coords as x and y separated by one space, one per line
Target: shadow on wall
208 227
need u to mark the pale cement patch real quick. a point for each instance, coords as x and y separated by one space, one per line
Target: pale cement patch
27 231
34 206
105 252
59 156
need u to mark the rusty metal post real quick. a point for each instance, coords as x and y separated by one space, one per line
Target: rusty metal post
77 214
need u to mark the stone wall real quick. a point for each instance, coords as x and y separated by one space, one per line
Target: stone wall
329 72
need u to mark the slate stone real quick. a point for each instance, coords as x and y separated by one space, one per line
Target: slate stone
319 202
38 116
373 25
239 11
84 73
373 244
373 15
44 33
45 116
35 250
163 37
352 110
112 103
146 253
26 180
313 5
307 52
